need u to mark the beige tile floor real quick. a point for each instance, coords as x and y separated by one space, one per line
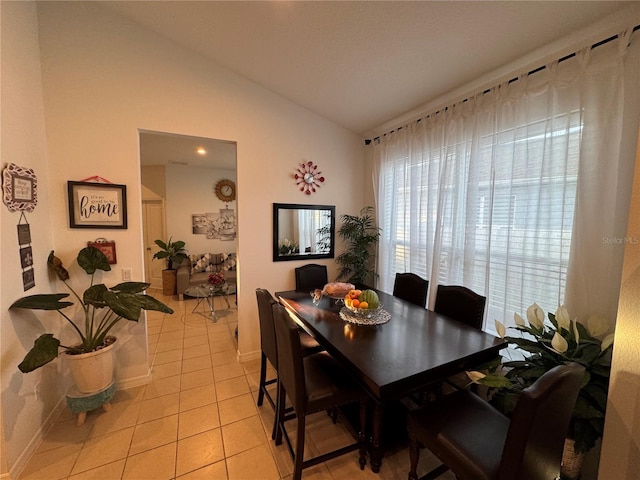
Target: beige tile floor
197 419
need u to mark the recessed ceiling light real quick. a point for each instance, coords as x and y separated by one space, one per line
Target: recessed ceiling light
201 151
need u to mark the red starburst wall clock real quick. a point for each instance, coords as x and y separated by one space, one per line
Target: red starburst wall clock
308 177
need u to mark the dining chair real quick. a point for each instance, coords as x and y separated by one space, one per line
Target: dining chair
477 442
412 288
311 276
460 303
308 346
313 383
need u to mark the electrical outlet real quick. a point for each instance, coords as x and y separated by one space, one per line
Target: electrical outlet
126 274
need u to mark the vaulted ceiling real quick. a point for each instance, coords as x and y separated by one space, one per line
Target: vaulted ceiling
363 63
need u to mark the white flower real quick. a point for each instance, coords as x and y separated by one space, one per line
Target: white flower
562 317
597 325
559 344
500 329
606 342
519 320
535 315
475 376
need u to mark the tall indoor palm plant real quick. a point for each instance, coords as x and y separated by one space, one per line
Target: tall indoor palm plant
361 236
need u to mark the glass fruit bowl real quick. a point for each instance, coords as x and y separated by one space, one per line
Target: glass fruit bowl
363 312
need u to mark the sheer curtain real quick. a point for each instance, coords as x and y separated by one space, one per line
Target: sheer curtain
512 191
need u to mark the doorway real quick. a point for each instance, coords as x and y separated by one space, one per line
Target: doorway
179 174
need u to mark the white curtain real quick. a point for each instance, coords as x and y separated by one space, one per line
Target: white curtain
520 192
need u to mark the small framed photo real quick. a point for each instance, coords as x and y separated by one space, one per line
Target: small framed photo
26 257
28 279
106 247
24 234
97 205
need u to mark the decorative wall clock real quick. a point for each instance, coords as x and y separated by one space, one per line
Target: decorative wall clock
225 190
308 177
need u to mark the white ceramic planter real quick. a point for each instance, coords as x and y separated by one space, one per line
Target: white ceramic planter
92 372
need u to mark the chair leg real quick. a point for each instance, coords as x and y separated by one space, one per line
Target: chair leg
299 456
263 377
414 456
276 420
280 412
361 434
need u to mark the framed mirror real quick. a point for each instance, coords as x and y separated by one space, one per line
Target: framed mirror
303 232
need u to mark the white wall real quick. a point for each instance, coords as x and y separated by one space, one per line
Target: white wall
23 142
190 190
104 79
620 454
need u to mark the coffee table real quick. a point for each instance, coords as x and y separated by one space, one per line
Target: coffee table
206 293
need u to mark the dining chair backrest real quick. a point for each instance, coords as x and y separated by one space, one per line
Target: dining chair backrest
412 288
460 303
539 425
311 276
267 330
291 367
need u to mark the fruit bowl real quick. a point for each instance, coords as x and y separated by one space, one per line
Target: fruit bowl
364 312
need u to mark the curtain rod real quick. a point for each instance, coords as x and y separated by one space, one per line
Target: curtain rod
368 141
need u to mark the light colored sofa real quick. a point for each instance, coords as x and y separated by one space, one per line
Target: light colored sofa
196 270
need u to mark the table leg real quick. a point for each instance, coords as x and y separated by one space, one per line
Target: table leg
376 433
82 416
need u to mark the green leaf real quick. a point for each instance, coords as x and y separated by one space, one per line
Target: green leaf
95 295
161 244
124 305
49 301
495 380
130 287
92 259
147 302
45 349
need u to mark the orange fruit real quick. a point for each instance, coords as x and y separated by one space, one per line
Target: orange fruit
355 303
363 305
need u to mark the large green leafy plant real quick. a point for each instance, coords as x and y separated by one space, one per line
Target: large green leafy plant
102 308
174 252
361 236
545 345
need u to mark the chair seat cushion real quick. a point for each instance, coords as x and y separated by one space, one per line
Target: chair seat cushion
328 384
471 432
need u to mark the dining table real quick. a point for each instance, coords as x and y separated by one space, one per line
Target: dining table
412 349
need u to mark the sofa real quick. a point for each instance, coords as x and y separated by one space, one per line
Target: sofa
197 268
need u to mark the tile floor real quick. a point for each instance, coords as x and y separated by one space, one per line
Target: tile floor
197 419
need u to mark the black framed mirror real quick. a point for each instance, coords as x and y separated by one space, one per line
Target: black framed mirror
303 232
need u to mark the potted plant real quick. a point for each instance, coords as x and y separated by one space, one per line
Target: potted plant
175 254
545 345
361 236
102 309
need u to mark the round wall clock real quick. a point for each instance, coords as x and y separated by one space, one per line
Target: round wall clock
226 190
308 177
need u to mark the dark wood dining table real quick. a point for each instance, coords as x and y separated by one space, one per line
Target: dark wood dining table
415 348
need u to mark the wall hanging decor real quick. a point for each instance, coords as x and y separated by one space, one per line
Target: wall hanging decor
19 188
108 247
216 226
225 190
26 253
97 205
308 178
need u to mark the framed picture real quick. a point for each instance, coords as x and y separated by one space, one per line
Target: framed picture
26 257
20 188
106 247
97 205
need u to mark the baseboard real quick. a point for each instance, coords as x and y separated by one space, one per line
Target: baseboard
25 456
134 381
247 357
